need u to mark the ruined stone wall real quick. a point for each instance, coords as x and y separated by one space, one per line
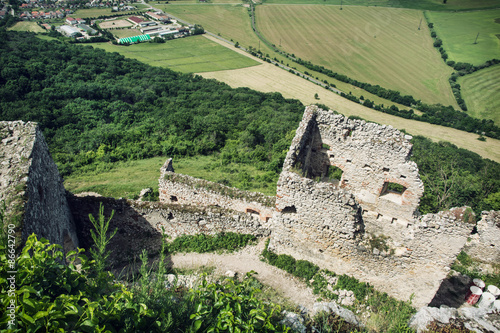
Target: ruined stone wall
356 225
485 244
31 186
181 189
140 224
315 216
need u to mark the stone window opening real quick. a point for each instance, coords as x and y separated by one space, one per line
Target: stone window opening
394 220
403 176
252 212
289 209
385 169
173 198
379 216
170 216
393 192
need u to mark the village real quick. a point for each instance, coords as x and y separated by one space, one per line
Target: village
109 25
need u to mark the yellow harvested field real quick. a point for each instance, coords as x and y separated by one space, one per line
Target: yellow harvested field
376 45
115 24
269 78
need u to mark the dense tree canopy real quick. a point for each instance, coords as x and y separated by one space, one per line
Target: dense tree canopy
96 106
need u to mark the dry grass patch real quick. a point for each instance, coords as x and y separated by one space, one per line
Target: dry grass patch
269 78
115 24
375 45
27 26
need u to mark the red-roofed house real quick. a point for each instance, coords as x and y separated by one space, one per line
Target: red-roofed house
70 20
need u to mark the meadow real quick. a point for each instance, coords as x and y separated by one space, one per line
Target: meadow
458 32
375 45
269 78
413 4
187 55
27 26
127 179
481 92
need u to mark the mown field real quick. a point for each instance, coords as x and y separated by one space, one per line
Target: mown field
269 78
127 179
414 4
187 55
375 45
233 22
27 26
459 30
230 21
481 92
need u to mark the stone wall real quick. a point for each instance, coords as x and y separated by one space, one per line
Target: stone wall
31 186
485 244
185 190
141 224
355 225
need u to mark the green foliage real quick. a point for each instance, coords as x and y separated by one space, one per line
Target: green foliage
96 107
332 323
395 187
55 297
202 243
468 266
334 172
233 307
454 177
101 240
300 268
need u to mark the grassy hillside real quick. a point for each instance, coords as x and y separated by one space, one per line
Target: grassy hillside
187 55
375 45
481 92
414 4
127 179
27 26
459 30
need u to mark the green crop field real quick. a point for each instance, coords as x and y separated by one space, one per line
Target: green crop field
481 92
230 21
459 30
27 26
188 55
127 179
413 4
375 45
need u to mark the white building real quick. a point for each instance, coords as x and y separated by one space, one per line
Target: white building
69 31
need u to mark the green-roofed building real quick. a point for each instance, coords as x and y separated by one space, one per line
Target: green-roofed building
134 39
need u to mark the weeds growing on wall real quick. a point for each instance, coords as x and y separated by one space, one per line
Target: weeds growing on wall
468 266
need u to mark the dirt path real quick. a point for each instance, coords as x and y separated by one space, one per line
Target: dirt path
245 261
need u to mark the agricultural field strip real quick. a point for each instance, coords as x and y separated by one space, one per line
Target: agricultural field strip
249 38
360 50
269 78
458 32
27 26
481 92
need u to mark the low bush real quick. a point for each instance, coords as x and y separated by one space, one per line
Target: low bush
201 243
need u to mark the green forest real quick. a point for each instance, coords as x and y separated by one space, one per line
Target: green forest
97 108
